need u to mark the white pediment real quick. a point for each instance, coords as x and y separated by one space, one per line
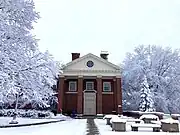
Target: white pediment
99 66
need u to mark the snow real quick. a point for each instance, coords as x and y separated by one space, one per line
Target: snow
146 102
161 68
60 116
166 116
70 127
107 130
100 114
23 68
117 119
109 116
125 117
5 120
149 116
146 125
134 120
76 127
158 113
170 120
176 115
156 122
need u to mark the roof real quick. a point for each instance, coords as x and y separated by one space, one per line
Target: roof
93 56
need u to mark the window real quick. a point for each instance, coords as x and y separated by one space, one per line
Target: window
106 86
72 86
90 63
89 85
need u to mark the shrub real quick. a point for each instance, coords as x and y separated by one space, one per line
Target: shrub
26 113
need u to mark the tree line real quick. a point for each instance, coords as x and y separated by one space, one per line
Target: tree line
150 74
151 79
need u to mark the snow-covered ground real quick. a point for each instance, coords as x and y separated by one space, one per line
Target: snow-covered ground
69 127
107 130
75 127
6 120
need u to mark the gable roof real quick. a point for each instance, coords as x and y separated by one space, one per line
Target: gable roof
93 56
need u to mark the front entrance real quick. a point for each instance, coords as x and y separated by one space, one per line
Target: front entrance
89 103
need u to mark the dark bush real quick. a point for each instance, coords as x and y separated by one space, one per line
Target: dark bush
67 113
175 116
134 114
1 113
41 115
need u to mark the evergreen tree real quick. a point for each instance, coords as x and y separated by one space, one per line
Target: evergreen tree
146 102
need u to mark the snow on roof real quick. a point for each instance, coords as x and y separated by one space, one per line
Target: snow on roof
118 120
149 116
115 118
136 111
100 114
176 115
160 113
156 122
170 120
60 116
109 116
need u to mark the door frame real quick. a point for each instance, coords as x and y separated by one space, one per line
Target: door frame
85 103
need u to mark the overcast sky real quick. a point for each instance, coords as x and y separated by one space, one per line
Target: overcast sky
116 26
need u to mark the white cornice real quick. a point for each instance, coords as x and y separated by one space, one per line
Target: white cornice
90 71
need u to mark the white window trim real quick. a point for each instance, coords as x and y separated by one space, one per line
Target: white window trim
109 83
91 83
71 92
108 92
75 85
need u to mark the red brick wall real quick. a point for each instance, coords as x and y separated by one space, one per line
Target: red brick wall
108 99
80 96
99 96
119 95
70 102
108 103
75 56
115 94
61 94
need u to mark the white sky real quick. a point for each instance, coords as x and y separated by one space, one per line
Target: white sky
116 26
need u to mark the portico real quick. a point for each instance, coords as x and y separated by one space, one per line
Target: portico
90 90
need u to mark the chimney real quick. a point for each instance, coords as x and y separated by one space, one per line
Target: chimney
104 55
75 56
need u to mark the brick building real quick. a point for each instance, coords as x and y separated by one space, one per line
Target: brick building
90 85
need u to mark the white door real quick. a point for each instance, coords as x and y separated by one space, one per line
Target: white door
89 103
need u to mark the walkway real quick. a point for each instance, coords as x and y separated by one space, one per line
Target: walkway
91 127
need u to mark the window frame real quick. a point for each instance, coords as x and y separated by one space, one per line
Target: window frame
70 82
109 83
92 85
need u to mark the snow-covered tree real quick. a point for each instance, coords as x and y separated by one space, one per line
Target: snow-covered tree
161 68
146 98
24 70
